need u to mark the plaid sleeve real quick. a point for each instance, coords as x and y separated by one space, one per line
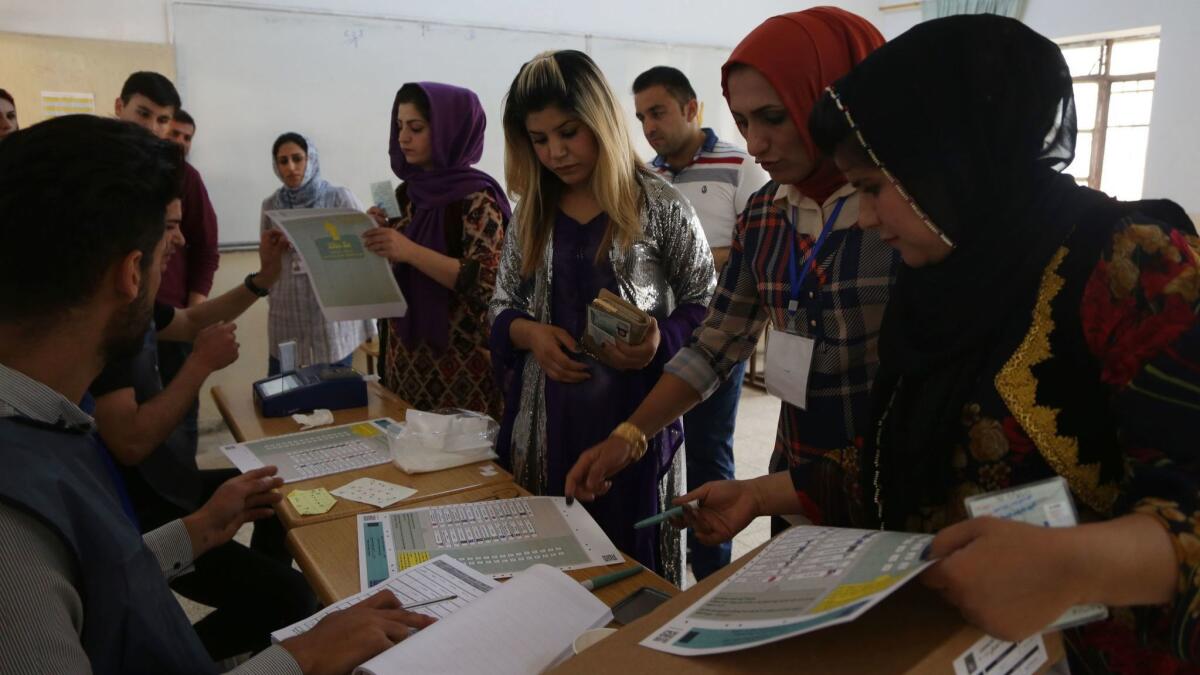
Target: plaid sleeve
735 318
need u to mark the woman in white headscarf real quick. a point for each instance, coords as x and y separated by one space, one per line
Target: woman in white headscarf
294 313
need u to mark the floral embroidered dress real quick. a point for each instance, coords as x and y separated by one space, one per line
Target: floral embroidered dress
1098 383
460 376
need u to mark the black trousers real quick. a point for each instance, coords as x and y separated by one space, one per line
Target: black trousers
254 589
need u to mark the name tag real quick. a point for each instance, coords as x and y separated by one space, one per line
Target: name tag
789 362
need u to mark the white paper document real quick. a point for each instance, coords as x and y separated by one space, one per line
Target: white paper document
525 626
438 578
377 493
350 282
498 538
989 655
807 578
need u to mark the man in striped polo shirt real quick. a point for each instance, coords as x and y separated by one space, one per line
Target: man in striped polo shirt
717 178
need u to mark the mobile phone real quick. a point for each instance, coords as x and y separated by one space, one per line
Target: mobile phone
638 604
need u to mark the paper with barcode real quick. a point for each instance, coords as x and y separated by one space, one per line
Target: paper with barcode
805 579
440 577
497 538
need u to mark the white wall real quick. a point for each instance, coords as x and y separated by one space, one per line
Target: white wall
1172 167
689 21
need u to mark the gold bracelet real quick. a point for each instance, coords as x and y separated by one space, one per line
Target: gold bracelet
628 432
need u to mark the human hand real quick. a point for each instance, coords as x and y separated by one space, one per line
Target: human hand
345 639
984 569
633 357
589 478
216 346
378 215
235 502
725 508
272 244
388 243
549 345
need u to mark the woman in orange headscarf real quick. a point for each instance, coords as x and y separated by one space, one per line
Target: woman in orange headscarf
798 260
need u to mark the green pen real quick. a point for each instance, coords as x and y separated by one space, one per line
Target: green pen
610 578
666 515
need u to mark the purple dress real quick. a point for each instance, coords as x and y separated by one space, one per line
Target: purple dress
581 415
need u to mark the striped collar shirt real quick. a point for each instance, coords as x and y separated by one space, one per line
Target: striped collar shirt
23 396
718 182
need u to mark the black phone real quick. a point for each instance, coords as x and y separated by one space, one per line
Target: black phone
638 604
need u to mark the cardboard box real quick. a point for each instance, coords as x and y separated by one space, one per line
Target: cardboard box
912 632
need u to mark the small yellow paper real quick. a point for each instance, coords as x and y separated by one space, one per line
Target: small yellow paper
311 502
407 559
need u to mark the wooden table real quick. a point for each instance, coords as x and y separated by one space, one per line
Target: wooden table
327 553
244 421
911 632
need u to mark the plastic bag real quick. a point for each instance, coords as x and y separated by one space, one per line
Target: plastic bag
432 441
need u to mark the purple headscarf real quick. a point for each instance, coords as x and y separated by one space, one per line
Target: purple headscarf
456 123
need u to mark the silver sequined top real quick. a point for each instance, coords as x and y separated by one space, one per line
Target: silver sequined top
670 266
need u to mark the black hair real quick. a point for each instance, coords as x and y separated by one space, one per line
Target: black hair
289 137
7 97
78 194
413 94
671 79
183 117
153 86
830 130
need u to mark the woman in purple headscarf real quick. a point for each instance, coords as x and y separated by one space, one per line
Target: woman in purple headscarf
444 249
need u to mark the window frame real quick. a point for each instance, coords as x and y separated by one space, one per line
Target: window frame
1104 81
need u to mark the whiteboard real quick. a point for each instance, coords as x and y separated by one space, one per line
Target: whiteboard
248 74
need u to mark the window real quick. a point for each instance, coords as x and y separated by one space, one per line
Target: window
1114 88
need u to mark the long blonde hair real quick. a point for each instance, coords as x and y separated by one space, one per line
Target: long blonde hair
571 81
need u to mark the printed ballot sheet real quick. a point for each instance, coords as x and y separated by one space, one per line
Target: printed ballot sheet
316 453
350 282
440 577
806 579
498 538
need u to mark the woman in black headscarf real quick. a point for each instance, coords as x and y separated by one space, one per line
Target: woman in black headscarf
1037 329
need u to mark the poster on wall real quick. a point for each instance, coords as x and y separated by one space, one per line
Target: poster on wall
59 103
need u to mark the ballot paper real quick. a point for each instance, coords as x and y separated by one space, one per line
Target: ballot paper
524 626
311 502
377 493
440 577
350 282
497 537
1045 503
805 579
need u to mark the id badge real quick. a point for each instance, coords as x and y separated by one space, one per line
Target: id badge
1045 503
789 361
297 264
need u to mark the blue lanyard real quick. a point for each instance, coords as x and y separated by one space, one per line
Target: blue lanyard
797 279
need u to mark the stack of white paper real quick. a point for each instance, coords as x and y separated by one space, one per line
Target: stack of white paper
525 626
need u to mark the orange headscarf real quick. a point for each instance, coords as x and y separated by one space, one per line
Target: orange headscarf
800 54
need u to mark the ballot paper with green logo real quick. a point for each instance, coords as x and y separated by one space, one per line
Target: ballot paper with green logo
805 579
350 282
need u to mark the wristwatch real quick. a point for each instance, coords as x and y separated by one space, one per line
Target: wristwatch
255 288
632 435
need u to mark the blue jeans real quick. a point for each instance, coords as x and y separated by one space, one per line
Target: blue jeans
273 364
708 435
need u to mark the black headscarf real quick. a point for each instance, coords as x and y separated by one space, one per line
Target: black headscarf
974 117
